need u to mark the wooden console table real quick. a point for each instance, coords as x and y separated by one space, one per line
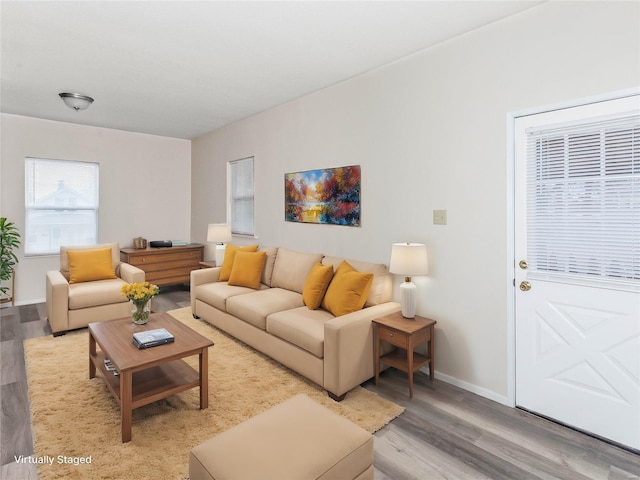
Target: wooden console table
406 333
165 266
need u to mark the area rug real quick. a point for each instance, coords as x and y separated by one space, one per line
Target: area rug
76 421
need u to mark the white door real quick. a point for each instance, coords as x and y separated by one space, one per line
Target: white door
577 272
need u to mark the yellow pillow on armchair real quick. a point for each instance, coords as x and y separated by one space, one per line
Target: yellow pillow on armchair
90 265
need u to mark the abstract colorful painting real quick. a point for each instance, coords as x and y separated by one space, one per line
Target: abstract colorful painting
329 195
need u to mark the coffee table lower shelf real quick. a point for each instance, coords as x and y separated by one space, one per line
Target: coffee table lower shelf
153 383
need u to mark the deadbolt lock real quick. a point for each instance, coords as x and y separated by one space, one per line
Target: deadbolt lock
523 264
525 286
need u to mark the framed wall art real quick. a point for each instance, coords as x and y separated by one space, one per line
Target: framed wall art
328 195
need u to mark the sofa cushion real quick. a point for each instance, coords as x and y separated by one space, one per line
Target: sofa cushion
291 269
216 294
94 294
347 291
229 255
302 327
382 286
316 285
267 272
90 265
255 307
247 269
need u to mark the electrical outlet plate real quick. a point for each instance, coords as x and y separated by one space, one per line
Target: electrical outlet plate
439 217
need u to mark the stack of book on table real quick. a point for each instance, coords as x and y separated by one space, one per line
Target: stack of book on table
152 338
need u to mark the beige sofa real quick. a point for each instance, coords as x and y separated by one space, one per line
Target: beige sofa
334 352
75 305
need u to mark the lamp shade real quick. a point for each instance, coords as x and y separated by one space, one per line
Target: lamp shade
76 101
409 259
219 233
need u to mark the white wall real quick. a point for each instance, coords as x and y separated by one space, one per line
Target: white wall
144 185
430 133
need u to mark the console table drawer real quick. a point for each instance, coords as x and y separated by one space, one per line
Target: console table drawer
165 266
191 256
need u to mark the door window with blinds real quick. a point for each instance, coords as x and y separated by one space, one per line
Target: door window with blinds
61 199
583 199
241 195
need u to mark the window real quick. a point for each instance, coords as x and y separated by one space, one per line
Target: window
584 199
240 174
61 199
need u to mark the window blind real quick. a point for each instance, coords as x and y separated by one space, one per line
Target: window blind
583 199
241 192
61 200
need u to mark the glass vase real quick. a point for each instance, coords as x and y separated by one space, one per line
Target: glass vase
140 311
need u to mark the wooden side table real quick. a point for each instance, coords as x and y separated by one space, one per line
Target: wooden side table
406 333
207 264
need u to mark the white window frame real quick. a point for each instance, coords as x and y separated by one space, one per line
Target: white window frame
41 199
241 196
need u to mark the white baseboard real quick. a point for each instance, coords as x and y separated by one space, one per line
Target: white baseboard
30 302
483 392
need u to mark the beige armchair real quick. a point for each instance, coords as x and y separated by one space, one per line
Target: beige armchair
74 304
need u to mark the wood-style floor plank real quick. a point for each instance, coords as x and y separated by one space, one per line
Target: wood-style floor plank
445 432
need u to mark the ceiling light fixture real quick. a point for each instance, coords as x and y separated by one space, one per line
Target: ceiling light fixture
76 101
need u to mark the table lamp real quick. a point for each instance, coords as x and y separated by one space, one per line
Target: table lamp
219 233
408 259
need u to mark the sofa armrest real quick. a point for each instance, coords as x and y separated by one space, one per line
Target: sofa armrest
131 274
348 348
200 277
57 296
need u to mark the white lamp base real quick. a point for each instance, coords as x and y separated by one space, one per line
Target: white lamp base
408 299
220 248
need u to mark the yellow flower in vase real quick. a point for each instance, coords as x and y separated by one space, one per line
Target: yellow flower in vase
140 293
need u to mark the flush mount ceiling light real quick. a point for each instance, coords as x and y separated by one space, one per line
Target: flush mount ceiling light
76 101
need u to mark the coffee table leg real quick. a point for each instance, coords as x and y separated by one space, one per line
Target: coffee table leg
125 404
204 378
92 352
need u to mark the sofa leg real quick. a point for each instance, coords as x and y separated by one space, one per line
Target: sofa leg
59 334
336 398
195 316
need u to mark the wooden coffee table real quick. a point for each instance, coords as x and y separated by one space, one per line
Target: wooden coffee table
150 374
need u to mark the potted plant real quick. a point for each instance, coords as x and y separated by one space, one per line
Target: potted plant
9 240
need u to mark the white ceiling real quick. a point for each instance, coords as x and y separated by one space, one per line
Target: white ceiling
181 69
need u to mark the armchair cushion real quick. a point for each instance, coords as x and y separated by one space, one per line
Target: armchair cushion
90 265
96 293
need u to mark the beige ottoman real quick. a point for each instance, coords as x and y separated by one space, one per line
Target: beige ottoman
296 440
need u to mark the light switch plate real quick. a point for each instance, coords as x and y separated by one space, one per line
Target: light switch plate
439 217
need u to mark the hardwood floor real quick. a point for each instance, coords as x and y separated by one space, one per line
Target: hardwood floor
445 433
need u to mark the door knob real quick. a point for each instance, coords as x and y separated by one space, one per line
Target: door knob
525 286
523 264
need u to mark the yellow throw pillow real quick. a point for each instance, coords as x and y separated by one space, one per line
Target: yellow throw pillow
247 269
89 265
229 254
316 285
347 291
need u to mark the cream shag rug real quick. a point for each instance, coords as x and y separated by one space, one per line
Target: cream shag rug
75 417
